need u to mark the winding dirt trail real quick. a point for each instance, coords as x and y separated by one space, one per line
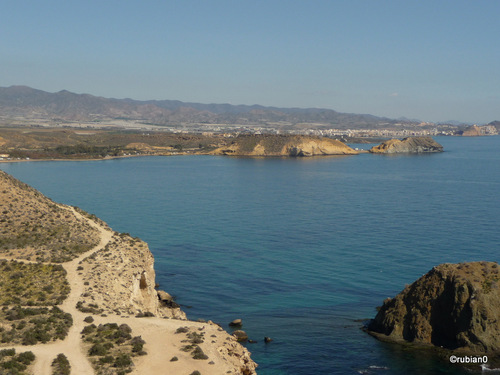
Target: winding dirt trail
162 342
70 346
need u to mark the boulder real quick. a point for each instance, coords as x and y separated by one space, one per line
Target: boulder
166 299
414 145
236 323
453 306
240 335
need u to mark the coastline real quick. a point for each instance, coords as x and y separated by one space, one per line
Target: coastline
117 276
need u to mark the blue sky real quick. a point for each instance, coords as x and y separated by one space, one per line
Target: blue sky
431 60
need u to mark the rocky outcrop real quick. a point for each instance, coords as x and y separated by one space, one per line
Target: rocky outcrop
284 145
477 131
128 266
414 145
454 306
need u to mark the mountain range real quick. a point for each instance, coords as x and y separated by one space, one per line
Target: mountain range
64 106
22 105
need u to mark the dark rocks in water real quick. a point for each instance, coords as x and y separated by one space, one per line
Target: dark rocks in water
453 306
267 339
413 145
240 335
167 300
236 323
252 342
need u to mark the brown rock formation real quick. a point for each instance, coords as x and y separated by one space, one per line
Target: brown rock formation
454 306
407 145
476 131
284 145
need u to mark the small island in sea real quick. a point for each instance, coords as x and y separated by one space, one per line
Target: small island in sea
77 296
453 309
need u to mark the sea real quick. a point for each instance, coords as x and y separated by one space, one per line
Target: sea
303 250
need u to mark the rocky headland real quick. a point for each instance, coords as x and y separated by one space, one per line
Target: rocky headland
453 306
284 145
413 145
478 131
93 293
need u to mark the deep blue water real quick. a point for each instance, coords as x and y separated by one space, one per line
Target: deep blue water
300 249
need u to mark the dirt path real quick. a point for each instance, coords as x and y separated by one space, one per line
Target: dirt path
162 342
70 346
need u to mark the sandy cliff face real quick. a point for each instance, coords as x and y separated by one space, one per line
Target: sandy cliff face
121 279
281 145
407 145
455 306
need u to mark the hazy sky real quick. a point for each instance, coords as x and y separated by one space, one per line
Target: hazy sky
432 60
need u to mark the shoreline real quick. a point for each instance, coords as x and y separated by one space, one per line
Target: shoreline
129 265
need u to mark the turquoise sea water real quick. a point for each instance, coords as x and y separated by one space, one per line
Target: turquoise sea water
300 249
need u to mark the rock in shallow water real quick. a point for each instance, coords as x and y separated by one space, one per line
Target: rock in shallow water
236 323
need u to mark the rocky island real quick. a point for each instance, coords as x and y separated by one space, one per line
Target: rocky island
414 145
453 306
77 295
284 145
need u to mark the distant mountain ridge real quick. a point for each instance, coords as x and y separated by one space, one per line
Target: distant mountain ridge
31 103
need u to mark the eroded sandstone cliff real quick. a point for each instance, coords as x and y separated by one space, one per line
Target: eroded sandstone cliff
454 306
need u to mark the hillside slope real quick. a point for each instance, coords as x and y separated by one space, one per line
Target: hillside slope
98 308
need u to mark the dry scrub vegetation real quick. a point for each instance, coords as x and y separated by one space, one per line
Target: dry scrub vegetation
35 228
111 347
32 284
28 293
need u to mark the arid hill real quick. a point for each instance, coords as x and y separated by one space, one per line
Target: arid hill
34 227
477 131
284 145
454 306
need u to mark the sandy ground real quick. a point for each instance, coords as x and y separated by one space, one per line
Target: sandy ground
162 343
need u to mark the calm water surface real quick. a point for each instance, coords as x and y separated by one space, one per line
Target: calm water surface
300 249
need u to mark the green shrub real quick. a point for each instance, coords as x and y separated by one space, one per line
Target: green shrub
123 360
61 365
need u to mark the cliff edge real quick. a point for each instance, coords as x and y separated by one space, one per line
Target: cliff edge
284 145
413 145
454 306
92 292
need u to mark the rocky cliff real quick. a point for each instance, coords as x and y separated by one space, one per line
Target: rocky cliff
454 306
284 145
477 131
414 145
127 265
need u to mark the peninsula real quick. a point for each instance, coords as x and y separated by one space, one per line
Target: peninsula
73 144
78 295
